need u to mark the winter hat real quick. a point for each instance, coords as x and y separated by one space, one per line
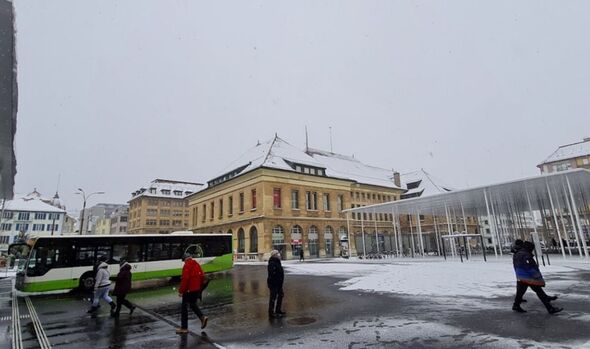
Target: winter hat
274 253
518 243
185 256
529 246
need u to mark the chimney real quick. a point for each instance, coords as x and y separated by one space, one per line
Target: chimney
397 179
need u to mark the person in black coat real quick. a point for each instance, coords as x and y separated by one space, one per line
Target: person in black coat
122 288
275 279
528 275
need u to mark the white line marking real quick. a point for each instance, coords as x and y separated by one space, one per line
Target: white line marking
41 336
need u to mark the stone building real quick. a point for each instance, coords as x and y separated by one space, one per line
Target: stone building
160 207
276 196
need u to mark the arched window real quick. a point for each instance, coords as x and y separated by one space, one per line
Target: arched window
278 235
253 240
329 239
313 233
241 241
328 233
342 232
296 233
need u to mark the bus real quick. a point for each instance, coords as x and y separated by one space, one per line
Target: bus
67 262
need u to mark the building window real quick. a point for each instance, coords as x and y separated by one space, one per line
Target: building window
278 236
40 216
152 190
150 222
230 205
276 197
164 222
53 216
295 199
204 212
311 200
177 213
176 223
212 210
7 215
39 227
164 212
296 233
340 202
178 192
326 202
165 203
165 192
6 227
22 227
220 208
253 240
241 241
23 216
241 202
152 212
253 199
152 202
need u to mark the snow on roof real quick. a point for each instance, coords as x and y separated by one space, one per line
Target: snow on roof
165 188
421 183
275 153
347 167
30 204
569 151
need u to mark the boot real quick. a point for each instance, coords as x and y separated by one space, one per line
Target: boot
204 320
280 313
92 309
517 308
554 310
271 314
113 306
551 298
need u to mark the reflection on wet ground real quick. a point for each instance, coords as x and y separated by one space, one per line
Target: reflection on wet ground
318 315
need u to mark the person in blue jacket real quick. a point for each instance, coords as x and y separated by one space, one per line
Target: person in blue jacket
528 275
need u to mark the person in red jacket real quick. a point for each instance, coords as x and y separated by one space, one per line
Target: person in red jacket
191 282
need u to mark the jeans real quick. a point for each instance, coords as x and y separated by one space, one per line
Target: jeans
101 292
521 289
276 294
189 299
122 301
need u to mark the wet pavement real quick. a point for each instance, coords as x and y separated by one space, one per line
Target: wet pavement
319 315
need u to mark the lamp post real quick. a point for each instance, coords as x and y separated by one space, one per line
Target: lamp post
85 197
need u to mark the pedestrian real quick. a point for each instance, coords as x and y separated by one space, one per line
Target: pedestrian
191 283
275 279
528 275
122 288
102 285
301 257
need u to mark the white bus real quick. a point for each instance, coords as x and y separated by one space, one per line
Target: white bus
67 262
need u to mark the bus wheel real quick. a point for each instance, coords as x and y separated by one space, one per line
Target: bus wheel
87 281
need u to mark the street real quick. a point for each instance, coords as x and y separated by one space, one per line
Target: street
318 315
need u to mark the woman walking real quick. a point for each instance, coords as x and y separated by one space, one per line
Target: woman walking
122 288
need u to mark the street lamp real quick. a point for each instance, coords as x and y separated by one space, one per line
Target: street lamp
85 197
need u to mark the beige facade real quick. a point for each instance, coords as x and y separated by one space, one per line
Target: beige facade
568 157
103 226
160 208
269 209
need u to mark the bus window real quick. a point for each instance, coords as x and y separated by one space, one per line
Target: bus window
196 251
158 252
45 258
119 252
103 252
176 251
134 253
85 256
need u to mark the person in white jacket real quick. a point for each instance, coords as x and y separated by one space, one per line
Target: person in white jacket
102 285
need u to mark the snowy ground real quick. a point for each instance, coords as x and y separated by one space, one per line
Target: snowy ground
432 277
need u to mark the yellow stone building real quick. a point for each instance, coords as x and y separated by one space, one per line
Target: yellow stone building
160 207
277 196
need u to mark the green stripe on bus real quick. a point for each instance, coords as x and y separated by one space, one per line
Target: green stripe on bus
217 264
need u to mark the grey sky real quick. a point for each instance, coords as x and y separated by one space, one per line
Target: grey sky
116 93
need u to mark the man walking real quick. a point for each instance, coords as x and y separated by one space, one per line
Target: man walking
122 287
275 279
528 275
191 282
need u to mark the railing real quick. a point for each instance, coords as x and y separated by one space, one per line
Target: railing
247 257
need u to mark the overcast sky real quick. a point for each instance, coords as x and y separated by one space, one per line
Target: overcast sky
113 94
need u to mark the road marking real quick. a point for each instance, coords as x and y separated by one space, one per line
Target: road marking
17 341
41 336
9 317
175 325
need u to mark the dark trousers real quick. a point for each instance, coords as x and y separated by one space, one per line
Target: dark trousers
189 299
276 295
122 301
521 289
